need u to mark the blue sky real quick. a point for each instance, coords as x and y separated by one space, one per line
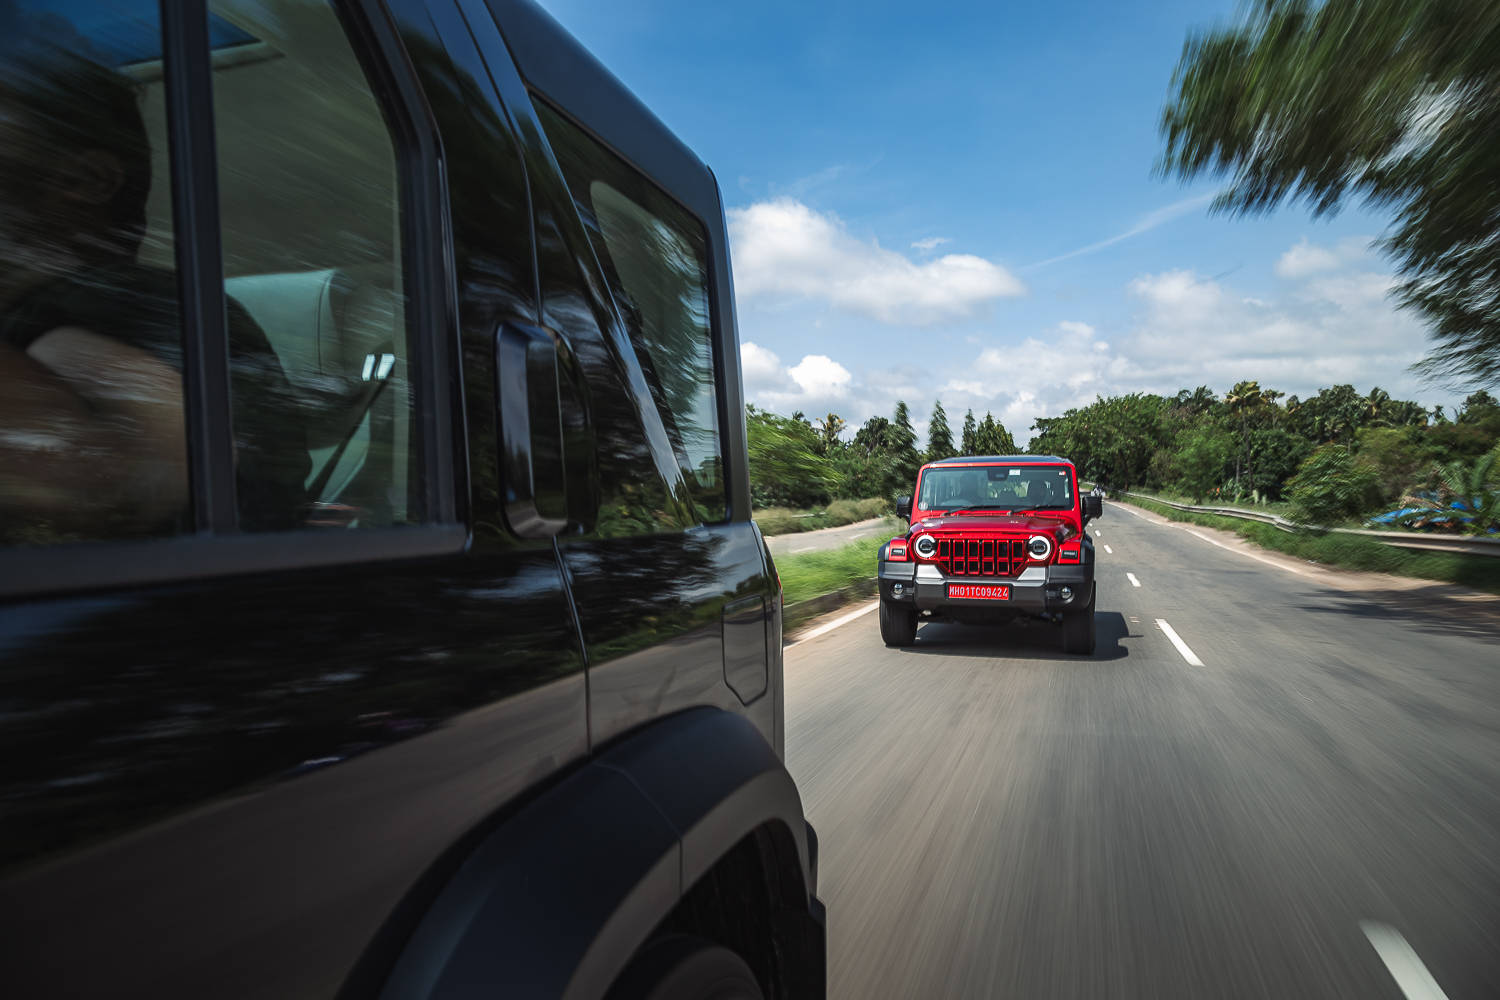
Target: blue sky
957 201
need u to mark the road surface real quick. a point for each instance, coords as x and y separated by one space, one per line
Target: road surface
827 538
1312 812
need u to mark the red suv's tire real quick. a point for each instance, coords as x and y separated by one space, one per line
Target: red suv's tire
1078 630
898 624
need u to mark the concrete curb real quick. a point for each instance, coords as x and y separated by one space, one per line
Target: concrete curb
794 615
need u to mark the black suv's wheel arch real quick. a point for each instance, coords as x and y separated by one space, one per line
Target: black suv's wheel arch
557 899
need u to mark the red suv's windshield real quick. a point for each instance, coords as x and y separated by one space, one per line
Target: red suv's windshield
996 487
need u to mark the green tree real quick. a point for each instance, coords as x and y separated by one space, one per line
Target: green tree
1331 487
1243 402
829 430
991 438
1203 455
968 441
1396 456
939 436
905 459
1395 101
786 468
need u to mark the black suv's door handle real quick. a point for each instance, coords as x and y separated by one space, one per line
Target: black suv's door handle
533 484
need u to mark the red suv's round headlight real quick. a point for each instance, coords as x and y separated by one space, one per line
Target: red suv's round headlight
1039 547
925 546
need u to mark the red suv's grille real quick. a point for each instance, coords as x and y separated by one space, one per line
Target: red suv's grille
981 556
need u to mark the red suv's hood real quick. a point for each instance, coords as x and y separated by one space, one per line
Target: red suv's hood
1058 525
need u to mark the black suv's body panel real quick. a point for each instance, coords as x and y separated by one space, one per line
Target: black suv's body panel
234 783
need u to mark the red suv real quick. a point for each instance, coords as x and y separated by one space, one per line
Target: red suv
990 539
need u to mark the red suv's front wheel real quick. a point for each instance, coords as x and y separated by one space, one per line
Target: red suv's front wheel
898 624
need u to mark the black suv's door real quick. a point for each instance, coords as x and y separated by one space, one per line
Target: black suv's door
673 595
229 755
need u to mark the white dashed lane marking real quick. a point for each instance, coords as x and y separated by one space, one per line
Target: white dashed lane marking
1133 581
1109 550
1182 647
1404 965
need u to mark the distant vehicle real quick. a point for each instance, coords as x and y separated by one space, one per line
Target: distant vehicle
992 539
432 651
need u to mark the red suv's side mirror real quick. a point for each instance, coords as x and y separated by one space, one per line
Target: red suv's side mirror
1092 507
903 508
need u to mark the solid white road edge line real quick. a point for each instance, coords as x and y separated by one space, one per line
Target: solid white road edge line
1109 550
1182 647
1404 965
830 626
1226 548
1133 581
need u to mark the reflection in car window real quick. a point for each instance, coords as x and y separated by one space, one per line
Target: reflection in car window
92 441
655 256
997 487
310 209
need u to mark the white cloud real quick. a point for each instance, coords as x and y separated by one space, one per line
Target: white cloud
820 375
930 244
816 384
1333 325
783 249
1304 259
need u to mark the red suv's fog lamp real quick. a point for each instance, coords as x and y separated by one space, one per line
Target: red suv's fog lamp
1070 553
896 552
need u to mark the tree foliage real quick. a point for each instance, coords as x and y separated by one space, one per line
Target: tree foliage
939 436
1393 101
786 467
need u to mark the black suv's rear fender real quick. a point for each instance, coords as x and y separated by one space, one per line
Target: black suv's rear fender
556 900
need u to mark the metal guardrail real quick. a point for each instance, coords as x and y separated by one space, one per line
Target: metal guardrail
1463 544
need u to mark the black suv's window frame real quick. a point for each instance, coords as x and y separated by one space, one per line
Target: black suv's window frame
218 549
715 311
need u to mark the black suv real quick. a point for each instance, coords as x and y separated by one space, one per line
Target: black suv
380 608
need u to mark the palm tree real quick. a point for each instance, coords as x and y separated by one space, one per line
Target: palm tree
1244 398
1377 403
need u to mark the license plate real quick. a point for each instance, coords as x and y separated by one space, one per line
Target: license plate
979 591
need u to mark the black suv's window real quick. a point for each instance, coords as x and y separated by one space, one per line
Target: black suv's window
655 256
92 440
310 212
92 435
996 487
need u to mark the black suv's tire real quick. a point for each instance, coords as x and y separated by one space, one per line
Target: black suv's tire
1078 630
898 624
682 967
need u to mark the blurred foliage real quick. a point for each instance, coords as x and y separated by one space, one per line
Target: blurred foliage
812 574
787 465
788 521
1393 101
1473 489
1331 486
939 435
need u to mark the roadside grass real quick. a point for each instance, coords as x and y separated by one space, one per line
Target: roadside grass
1348 552
787 521
813 574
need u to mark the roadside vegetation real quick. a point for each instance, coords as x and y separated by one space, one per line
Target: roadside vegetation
813 574
804 464
1332 459
788 520
1348 551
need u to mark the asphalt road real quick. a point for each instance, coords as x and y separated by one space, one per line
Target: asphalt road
1312 812
825 538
